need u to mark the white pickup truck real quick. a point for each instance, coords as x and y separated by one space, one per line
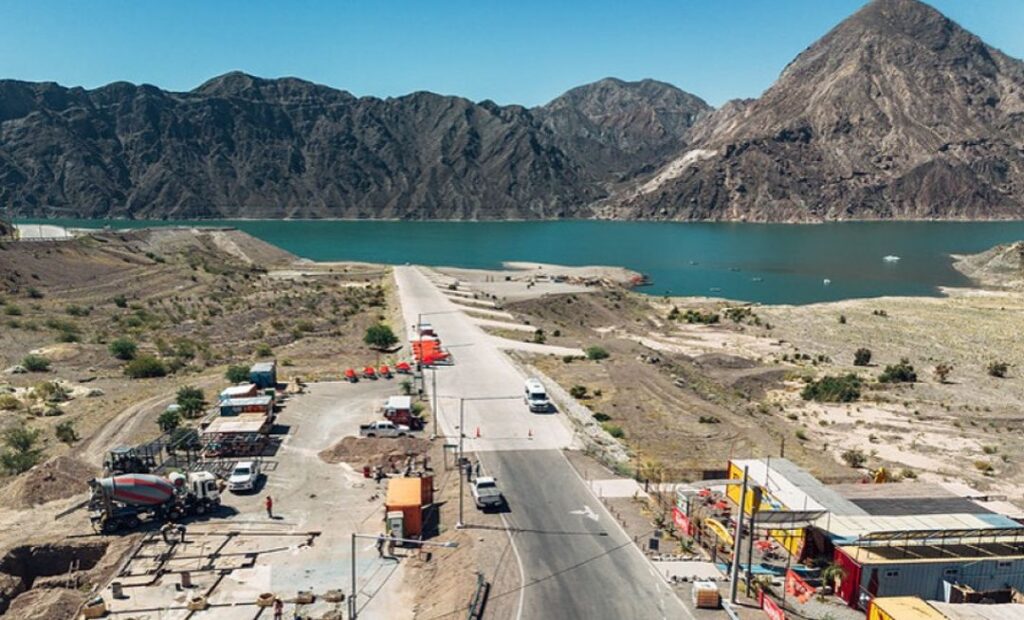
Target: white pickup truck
383 428
486 493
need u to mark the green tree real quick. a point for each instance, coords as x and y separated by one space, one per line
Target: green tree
169 420
406 386
263 350
65 432
123 348
596 353
191 400
380 336
237 374
578 391
145 367
35 363
20 452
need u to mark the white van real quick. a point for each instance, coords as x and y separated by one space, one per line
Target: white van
535 396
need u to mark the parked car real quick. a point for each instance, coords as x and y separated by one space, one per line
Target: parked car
486 494
243 477
383 428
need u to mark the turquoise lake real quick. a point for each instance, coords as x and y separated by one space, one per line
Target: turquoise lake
768 263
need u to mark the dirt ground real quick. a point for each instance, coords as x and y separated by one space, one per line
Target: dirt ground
198 300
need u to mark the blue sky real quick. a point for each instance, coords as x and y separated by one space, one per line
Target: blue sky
517 51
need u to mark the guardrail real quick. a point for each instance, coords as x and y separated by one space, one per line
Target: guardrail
479 600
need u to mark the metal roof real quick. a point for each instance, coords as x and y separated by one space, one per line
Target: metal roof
849 529
906 608
263 367
976 611
244 423
794 488
398 402
941 536
236 390
245 402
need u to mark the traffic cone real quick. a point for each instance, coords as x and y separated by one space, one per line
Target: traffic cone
478 432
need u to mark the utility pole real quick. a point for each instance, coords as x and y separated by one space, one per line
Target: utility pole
736 548
353 610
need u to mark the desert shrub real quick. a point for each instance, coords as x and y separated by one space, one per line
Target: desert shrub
902 372
9 403
831 389
144 367
191 401
34 293
20 452
35 363
406 386
12 310
123 348
614 430
65 432
601 417
704 318
120 301
997 369
76 310
854 457
263 350
842 319
596 353
908 474
578 391
50 391
862 357
942 371
539 337
708 419
568 359
237 374
801 434
380 336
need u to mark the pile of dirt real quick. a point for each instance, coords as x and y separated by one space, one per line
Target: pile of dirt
46 604
58 478
375 451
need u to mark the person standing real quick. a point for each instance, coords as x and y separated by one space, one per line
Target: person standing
380 545
278 609
269 503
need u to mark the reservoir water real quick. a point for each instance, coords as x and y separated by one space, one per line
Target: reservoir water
768 263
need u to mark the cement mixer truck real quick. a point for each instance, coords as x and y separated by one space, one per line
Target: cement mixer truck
124 502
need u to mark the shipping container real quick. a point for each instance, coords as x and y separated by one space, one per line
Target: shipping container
264 374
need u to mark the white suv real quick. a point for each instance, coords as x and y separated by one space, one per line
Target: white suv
243 477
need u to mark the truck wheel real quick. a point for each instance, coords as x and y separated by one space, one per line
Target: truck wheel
201 508
401 434
371 434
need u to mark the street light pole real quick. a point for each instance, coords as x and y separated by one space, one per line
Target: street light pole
353 610
462 434
433 395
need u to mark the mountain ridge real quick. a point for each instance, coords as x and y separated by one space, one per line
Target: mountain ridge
896 112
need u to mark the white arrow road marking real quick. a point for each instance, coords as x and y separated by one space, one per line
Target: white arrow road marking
586 512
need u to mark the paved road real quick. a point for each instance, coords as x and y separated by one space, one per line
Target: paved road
576 561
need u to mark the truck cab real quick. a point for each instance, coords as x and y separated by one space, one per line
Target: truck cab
535 396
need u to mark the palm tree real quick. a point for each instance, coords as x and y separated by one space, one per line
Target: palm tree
832 573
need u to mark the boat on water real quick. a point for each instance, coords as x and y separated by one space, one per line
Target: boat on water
826 282
757 279
715 289
891 258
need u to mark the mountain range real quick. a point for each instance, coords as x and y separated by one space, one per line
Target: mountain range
897 112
